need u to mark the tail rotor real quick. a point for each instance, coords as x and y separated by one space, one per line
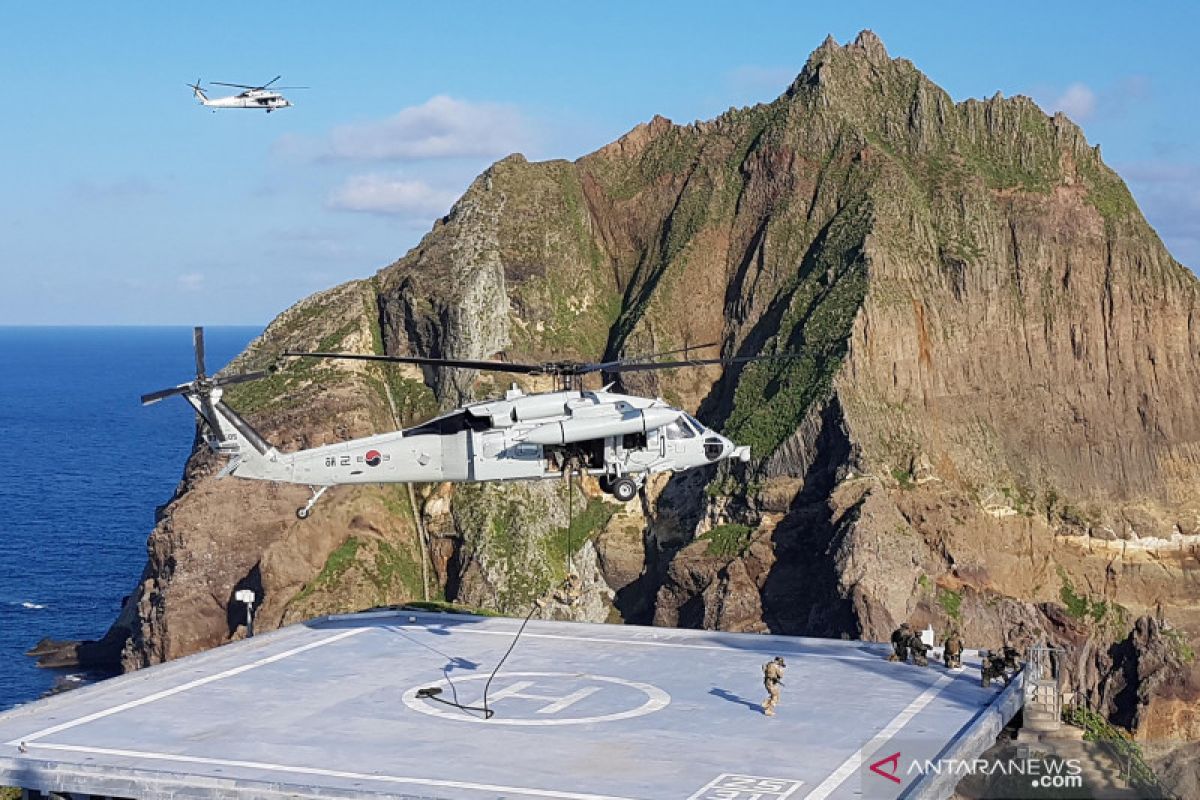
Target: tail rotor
203 385
198 345
197 92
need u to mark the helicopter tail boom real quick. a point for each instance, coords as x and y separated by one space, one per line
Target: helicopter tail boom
230 435
198 93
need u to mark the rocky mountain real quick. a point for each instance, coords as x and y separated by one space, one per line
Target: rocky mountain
995 418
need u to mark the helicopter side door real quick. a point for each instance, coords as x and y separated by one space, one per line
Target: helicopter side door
497 456
643 452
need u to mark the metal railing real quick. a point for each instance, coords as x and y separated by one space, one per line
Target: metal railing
1043 681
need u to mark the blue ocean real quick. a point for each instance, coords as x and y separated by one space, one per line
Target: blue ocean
82 467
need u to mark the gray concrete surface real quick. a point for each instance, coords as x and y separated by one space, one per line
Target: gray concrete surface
582 712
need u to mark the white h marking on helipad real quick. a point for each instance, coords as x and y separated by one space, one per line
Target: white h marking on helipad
656 700
557 703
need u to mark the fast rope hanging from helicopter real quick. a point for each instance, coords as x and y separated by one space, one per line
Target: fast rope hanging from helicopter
566 589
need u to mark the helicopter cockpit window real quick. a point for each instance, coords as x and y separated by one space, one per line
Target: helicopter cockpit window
679 430
696 426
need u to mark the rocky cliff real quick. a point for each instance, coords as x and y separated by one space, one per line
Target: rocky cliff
994 419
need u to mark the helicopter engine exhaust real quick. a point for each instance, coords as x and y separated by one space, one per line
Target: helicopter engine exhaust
581 430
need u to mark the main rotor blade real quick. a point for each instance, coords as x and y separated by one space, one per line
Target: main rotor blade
281 88
548 368
491 366
639 359
231 380
268 83
235 85
679 350
698 362
154 397
198 342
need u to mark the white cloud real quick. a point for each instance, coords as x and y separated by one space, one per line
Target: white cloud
1078 102
441 127
1081 102
383 194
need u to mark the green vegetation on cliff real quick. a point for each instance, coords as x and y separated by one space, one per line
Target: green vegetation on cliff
816 310
951 603
1100 612
1124 749
564 543
727 541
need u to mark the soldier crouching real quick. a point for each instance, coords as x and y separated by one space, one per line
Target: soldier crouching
900 639
992 667
919 649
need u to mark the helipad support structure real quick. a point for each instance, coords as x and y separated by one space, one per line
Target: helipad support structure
332 709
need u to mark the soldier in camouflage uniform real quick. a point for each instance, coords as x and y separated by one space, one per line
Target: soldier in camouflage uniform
919 649
952 649
900 638
571 589
1012 658
772 680
991 668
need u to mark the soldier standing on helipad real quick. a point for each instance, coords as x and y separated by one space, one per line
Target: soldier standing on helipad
952 649
772 680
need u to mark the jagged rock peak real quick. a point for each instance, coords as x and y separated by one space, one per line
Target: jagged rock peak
867 43
634 142
870 44
864 60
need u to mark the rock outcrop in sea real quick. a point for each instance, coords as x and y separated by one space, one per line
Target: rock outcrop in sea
995 419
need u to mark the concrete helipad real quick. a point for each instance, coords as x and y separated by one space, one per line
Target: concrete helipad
330 708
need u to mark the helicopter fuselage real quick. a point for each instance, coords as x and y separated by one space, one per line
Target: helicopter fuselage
519 438
619 438
261 99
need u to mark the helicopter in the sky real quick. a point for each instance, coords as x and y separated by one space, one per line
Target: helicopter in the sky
260 97
618 438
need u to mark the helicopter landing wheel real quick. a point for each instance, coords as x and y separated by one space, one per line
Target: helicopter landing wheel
624 489
303 511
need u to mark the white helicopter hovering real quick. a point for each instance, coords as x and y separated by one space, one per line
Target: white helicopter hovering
260 97
618 438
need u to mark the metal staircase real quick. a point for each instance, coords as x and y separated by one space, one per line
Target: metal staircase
1043 690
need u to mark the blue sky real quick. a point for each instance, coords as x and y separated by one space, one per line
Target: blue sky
124 202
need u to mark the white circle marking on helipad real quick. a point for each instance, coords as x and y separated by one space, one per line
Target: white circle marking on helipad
656 700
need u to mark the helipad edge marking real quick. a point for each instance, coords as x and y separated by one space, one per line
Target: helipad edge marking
857 758
150 698
331 773
766 648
